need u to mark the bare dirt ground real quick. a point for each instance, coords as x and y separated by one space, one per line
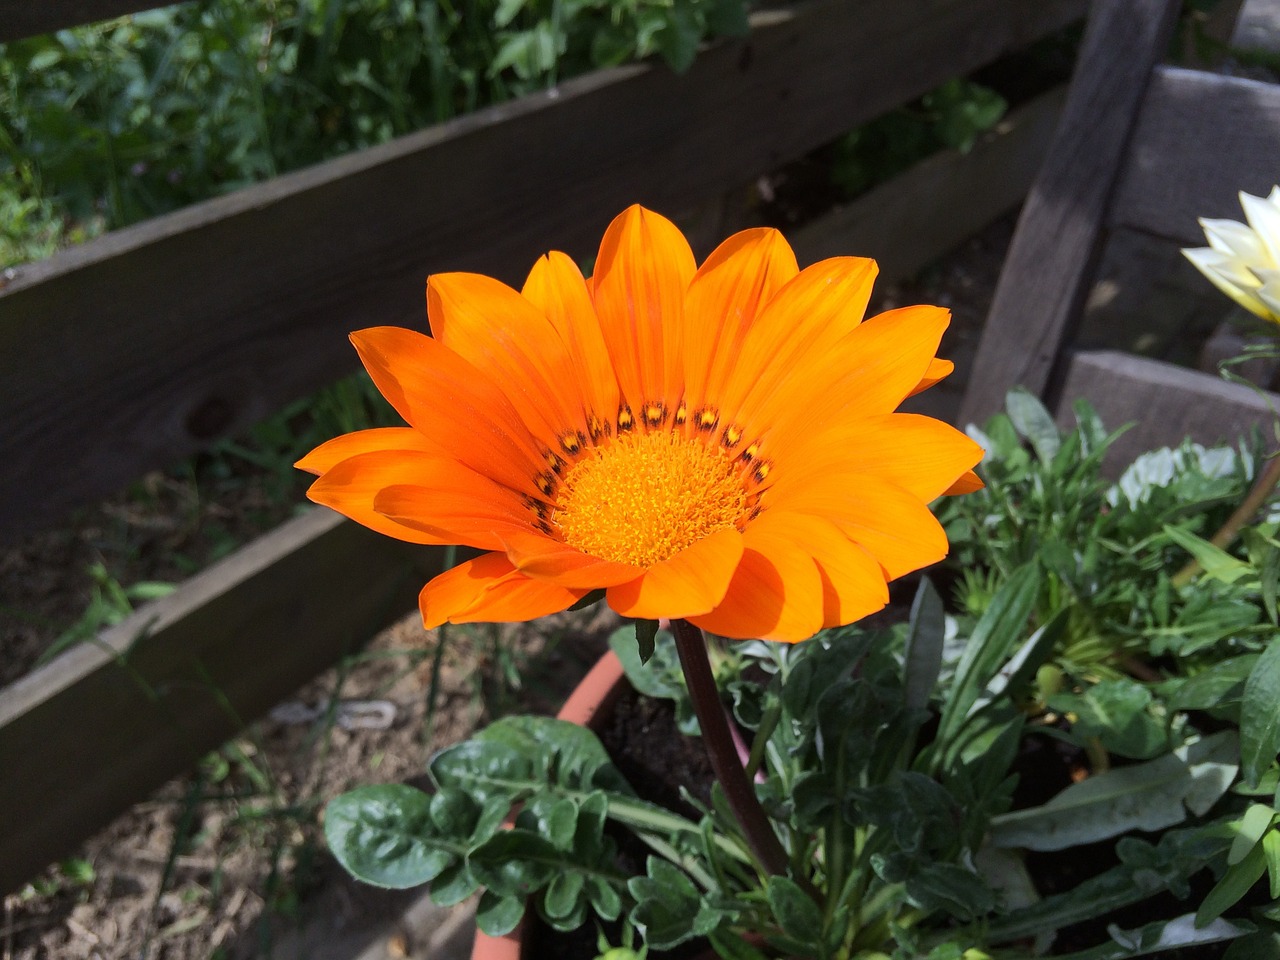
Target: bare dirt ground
228 862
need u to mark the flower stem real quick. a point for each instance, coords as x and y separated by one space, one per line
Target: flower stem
725 763
1262 490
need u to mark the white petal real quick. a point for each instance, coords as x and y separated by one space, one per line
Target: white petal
1264 218
1234 238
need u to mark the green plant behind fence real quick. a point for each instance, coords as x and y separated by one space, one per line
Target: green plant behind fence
108 124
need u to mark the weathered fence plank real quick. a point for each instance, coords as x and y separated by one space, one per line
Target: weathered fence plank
132 351
1199 142
1165 403
899 223
105 723
1044 281
28 18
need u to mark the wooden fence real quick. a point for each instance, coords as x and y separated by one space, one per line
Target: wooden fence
145 345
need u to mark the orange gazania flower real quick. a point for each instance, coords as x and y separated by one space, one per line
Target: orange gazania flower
716 443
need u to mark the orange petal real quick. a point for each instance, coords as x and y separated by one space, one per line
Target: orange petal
556 287
893 525
919 454
870 371
498 331
642 272
724 298
332 452
488 589
556 562
938 371
776 590
691 583
452 404
351 486
853 583
462 512
969 482
797 329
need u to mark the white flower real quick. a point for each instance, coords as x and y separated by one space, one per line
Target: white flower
1244 261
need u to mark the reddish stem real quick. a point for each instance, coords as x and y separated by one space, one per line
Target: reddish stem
726 765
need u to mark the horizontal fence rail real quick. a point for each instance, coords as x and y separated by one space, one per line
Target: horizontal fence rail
29 18
146 345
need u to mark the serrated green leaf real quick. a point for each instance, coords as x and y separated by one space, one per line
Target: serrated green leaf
1213 686
1001 626
1116 713
952 888
796 912
667 904
515 863
646 631
1260 715
1233 885
925 637
384 835
554 818
453 885
498 916
563 893
605 900
1215 561
1271 850
1145 796
1034 422
1255 821
1161 938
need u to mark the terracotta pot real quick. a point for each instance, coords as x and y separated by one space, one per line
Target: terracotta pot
586 706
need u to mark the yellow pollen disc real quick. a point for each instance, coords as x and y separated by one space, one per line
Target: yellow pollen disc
647 496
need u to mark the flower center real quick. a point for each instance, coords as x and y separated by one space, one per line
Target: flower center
646 496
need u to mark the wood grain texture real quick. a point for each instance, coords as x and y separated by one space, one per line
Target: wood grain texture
29 18
1166 403
106 723
918 216
1201 138
149 343
1044 280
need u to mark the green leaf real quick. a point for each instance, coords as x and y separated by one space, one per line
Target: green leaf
1034 422
1260 715
950 887
796 912
453 885
1255 821
498 916
383 835
1213 686
678 41
1215 561
1161 938
1271 849
1016 674
485 769
1116 712
515 863
1145 796
563 894
925 636
1001 626
646 630
667 904
1233 885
